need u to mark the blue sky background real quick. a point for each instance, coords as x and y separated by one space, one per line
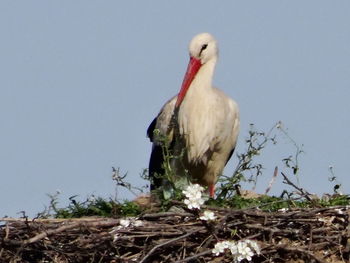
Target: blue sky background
81 80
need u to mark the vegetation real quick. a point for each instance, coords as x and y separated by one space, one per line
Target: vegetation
229 193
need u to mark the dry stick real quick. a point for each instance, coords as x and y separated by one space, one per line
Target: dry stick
167 243
49 220
311 237
271 230
302 251
166 214
7 233
301 190
207 252
347 231
44 234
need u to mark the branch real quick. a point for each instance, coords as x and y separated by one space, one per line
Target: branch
42 235
304 193
207 252
167 243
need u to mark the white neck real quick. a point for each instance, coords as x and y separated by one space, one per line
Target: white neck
204 77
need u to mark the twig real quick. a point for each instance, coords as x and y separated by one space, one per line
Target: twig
44 234
166 243
166 214
301 251
50 220
301 190
207 252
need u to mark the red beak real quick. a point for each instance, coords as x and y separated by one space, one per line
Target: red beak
193 66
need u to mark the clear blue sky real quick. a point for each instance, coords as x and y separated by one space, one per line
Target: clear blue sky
81 80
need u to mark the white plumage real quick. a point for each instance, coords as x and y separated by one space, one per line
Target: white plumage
206 120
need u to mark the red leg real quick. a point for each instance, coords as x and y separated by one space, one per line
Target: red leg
212 190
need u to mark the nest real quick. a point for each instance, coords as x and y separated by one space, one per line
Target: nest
295 235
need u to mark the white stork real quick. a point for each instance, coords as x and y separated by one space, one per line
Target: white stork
200 119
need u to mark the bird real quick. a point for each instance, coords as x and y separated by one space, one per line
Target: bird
201 123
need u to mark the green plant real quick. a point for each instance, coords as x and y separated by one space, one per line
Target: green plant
172 181
92 206
247 169
120 181
333 179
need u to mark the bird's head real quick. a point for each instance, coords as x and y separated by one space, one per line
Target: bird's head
202 48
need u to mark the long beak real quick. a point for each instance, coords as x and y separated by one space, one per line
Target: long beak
193 66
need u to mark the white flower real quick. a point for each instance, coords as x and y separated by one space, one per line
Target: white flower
124 222
244 251
193 194
208 216
221 246
137 223
254 245
193 191
240 250
194 203
130 221
233 248
339 211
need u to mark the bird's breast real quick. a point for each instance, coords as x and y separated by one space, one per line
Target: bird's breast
201 122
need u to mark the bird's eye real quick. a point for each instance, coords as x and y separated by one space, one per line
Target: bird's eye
203 48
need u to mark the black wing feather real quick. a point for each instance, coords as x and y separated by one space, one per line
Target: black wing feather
151 128
156 166
156 161
230 155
